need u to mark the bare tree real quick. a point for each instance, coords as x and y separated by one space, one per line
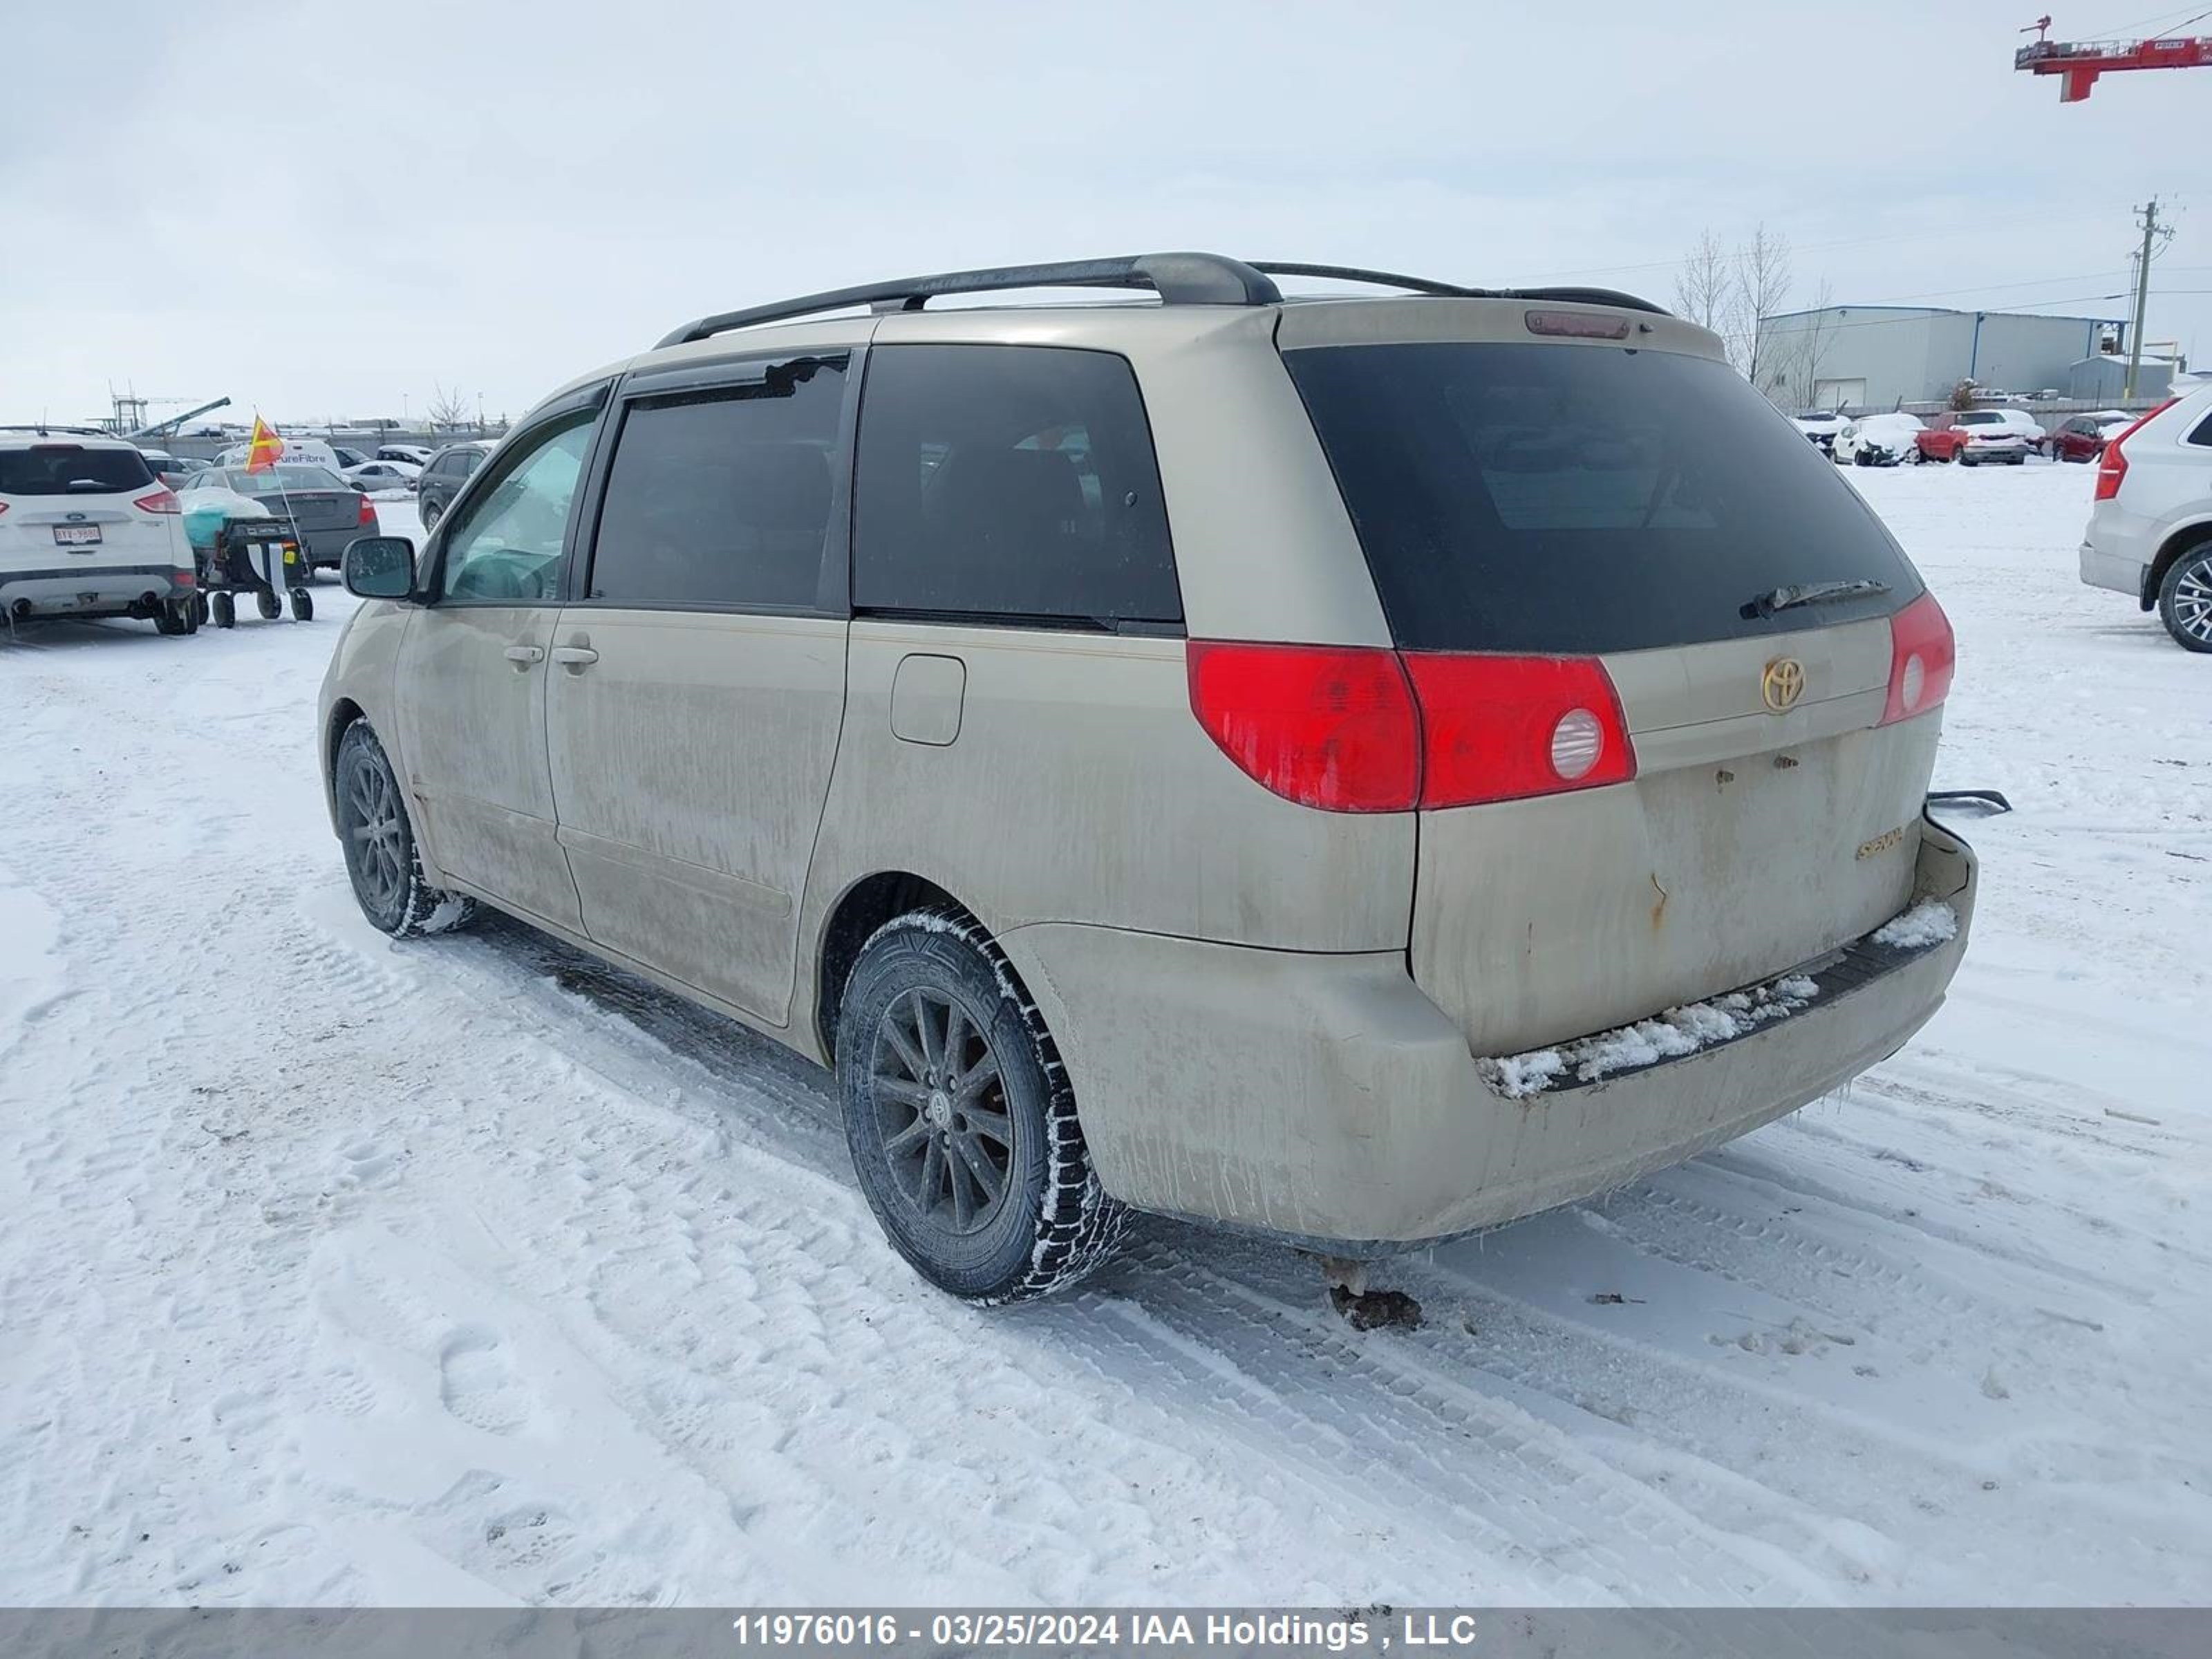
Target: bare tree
448 408
1701 288
1762 289
1731 291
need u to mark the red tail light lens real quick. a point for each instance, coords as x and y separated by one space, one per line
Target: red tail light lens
2112 464
162 500
367 512
1326 727
185 577
1500 728
1921 656
1361 729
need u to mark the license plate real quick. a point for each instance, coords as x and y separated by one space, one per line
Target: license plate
77 535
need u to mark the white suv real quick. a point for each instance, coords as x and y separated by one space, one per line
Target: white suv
86 529
2150 532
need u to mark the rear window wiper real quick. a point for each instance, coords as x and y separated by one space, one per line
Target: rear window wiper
1789 597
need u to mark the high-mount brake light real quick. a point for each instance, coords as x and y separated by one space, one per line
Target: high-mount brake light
1578 324
1921 657
1363 729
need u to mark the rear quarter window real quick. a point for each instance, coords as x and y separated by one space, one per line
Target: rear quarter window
1016 482
1561 499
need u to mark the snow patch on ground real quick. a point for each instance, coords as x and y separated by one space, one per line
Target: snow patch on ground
1931 922
338 1272
1670 1036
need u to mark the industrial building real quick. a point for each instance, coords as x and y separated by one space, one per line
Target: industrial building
1869 357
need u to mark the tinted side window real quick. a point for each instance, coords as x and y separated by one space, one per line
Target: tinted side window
1009 481
2203 433
722 497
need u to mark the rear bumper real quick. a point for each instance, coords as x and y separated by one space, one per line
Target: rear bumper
2120 572
88 590
1326 1100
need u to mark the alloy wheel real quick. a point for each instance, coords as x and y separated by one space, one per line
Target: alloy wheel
941 1106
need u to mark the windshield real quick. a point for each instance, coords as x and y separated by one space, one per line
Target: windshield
62 469
1546 498
1981 417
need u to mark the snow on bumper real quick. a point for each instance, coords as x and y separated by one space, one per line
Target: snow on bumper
1325 1099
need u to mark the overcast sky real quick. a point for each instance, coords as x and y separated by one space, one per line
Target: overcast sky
323 211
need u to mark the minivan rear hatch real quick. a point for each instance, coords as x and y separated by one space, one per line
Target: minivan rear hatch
1530 498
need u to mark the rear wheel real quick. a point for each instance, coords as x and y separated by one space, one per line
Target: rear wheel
303 605
431 513
178 616
385 863
2185 599
225 610
960 1118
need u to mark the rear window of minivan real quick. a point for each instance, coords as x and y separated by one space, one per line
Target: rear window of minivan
1559 499
71 469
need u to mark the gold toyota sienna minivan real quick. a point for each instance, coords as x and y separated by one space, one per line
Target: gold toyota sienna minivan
1353 769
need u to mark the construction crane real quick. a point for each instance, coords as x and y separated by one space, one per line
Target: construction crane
2081 62
162 428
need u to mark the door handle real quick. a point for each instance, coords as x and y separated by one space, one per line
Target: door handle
523 655
574 658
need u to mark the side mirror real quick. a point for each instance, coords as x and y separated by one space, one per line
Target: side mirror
380 567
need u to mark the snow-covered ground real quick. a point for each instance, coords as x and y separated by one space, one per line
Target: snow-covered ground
333 1270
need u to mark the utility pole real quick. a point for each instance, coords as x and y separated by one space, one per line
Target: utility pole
2152 230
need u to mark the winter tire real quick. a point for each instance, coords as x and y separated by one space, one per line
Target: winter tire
431 513
382 857
960 1119
2184 598
226 610
303 605
266 602
177 618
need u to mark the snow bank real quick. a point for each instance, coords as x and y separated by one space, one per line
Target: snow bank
1931 922
1670 1036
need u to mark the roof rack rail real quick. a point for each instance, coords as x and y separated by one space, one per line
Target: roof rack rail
63 427
1179 279
1593 296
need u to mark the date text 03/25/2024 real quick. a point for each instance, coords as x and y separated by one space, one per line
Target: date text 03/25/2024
1016 1630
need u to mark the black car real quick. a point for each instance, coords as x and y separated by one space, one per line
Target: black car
442 480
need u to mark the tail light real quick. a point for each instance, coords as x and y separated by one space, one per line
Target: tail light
1921 656
1328 727
1503 728
162 500
368 513
185 577
2112 465
1363 729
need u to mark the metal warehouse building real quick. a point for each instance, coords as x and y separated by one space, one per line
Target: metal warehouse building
1866 357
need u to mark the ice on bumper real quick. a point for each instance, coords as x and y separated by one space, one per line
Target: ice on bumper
1698 1025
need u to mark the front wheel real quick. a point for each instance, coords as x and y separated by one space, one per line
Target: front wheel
225 611
2185 599
385 863
960 1118
303 605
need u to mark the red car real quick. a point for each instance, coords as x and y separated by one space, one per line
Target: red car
2083 437
1939 443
